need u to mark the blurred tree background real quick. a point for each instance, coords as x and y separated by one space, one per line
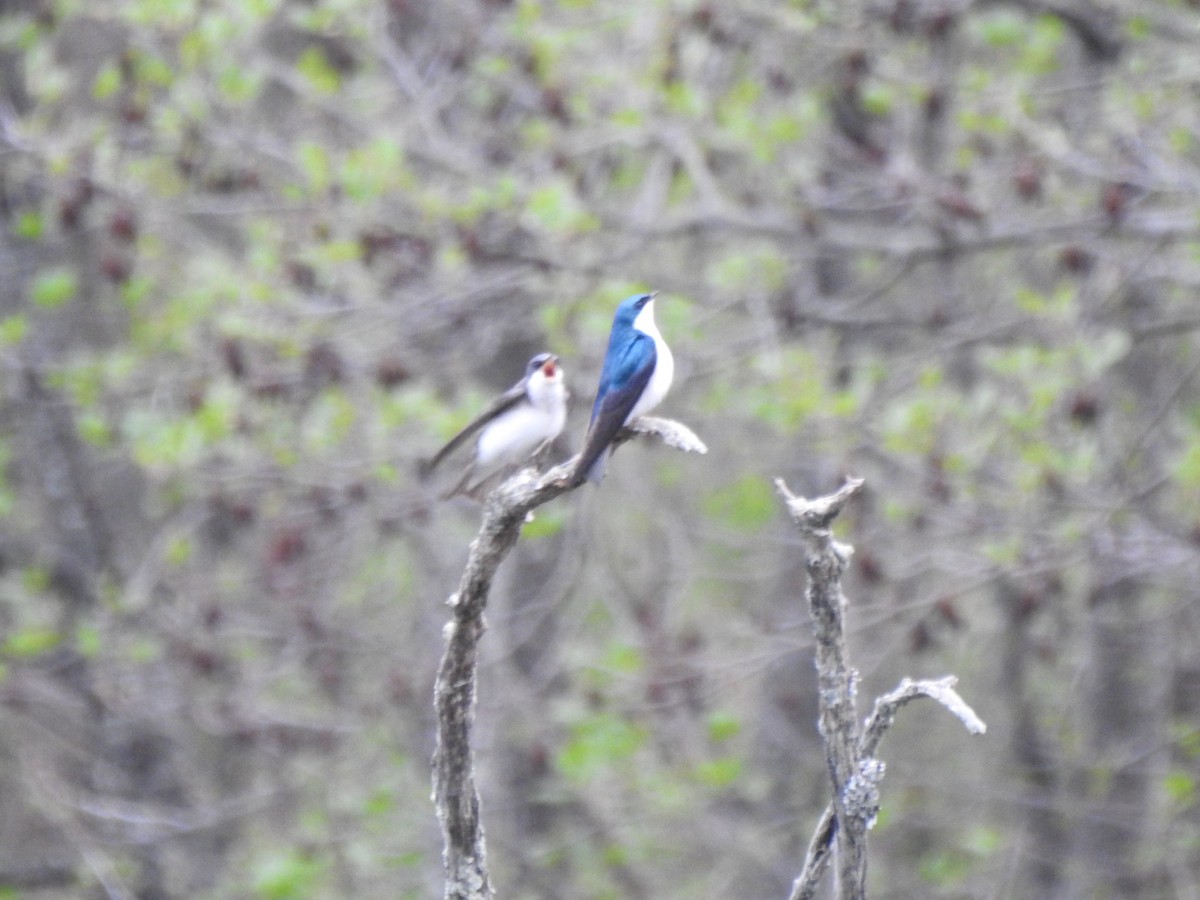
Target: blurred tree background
260 256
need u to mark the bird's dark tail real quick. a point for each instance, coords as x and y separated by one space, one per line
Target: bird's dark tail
592 471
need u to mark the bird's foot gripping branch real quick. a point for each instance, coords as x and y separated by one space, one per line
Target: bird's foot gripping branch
849 751
505 510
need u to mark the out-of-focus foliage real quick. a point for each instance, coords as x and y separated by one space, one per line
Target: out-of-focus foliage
259 258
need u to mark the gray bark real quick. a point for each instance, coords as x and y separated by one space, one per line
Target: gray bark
454 793
853 768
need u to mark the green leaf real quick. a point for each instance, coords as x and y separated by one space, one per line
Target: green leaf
682 98
381 802
722 726
12 329
54 287
374 168
237 84
87 640
329 421
35 578
747 505
944 868
1001 28
288 876
107 81
878 99
597 744
28 225
315 68
983 841
152 70
1180 787
93 429
1041 47
737 271
720 772
557 208
31 642
624 658
179 551
1187 470
1187 740
314 161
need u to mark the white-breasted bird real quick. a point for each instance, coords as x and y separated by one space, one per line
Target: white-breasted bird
512 427
637 373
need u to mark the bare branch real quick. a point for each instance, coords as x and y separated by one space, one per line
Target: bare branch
881 718
855 771
942 690
855 796
672 433
454 794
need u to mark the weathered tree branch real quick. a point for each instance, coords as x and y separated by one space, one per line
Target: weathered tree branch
454 794
880 720
855 797
853 768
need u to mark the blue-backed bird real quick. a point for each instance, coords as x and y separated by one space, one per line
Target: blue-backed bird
637 372
527 416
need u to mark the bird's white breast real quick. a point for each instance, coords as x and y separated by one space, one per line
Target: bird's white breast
516 433
664 365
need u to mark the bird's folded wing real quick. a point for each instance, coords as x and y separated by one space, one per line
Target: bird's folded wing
497 407
614 406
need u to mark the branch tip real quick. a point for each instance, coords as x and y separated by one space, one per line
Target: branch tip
818 513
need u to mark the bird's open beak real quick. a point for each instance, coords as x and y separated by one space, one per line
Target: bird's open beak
550 367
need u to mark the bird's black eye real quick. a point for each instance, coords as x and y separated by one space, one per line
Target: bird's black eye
643 301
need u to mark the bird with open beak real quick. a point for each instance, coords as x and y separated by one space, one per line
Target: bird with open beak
518 423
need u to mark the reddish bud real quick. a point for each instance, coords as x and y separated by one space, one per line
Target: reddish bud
959 205
115 268
948 611
869 567
920 638
302 275
234 357
1027 179
1076 259
133 113
935 103
555 105
123 225
939 24
1115 201
1028 603
324 365
1085 408
287 547
391 372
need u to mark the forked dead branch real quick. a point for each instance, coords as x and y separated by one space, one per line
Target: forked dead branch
854 771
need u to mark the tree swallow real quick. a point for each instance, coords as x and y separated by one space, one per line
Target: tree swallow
527 416
637 373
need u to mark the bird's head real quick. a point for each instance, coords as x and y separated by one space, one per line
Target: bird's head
546 365
636 312
544 383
